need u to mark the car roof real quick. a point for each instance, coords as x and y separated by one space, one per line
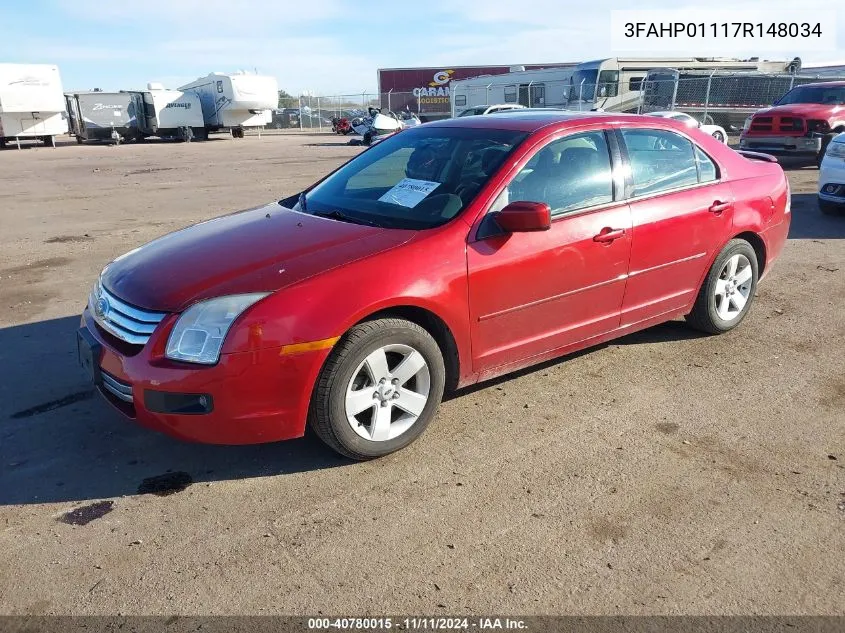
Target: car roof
531 120
835 84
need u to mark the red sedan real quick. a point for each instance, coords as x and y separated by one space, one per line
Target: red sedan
445 255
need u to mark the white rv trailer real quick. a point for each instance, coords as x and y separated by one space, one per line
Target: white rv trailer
168 113
235 101
32 103
540 88
616 84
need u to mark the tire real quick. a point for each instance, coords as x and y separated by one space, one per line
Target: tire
710 313
352 367
368 138
830 208
719 136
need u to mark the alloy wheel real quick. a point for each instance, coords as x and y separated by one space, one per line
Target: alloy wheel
733 287
387 392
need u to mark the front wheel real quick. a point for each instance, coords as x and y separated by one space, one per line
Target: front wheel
728 290
379 389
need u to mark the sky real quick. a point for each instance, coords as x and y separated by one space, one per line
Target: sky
328 47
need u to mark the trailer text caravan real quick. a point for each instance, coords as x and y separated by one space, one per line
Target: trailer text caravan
32 104
235 101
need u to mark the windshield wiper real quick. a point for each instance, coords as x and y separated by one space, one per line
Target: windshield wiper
340 215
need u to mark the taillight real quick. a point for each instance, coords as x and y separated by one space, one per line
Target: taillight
818 126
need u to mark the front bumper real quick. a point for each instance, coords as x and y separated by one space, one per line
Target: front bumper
251 397
832 180
782 145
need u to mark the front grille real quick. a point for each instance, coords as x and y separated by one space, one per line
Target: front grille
761 123
128 323
791 124
120 390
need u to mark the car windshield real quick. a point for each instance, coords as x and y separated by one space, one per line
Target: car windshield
473 111
833 95
417 179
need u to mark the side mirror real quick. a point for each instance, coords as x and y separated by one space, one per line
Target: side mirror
524 217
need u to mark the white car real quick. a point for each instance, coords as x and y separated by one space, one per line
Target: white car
716 131
490 109
832 176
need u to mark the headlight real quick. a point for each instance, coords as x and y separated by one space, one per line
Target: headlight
747 124
835 150
199 333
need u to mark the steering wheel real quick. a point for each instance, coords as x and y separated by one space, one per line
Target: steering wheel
441 205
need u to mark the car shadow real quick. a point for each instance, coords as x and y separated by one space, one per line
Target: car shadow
662 333
60 441
808 222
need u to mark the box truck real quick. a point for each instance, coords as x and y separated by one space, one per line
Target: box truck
32 103
235 101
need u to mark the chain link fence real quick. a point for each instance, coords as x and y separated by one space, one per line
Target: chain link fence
722 98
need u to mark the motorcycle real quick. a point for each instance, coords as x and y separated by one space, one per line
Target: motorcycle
341 125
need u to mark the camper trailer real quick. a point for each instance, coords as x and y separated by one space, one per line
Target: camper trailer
540 88
32 103
616 84
95 115
168 113
235 101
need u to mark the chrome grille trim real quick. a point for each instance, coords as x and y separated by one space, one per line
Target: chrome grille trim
126 322
120 390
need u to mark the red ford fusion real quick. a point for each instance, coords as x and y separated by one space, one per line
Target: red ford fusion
445 255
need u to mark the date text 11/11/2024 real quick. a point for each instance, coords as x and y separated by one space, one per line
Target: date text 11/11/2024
418 624
719 30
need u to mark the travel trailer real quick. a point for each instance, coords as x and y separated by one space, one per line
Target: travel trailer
616 84
168 113
95 115
235 101
540 88
32 103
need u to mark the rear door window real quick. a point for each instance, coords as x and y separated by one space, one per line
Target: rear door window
660 160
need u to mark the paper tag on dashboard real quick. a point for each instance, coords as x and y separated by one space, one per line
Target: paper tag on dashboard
409 192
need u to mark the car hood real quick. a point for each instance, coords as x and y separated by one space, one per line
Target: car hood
804 110
258 250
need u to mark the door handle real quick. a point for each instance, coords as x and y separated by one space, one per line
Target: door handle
718 207
608 235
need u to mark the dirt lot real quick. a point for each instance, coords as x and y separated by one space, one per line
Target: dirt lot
663 473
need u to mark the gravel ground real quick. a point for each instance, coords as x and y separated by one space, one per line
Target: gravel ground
663 473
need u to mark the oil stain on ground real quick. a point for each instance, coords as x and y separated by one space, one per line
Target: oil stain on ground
73 398
667 427
166 484
86 514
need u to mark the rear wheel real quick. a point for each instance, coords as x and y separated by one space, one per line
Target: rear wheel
379 389
728 290
719 136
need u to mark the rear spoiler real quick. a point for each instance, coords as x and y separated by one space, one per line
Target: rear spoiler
768 158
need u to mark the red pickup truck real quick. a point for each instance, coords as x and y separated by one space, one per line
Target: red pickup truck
800 124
